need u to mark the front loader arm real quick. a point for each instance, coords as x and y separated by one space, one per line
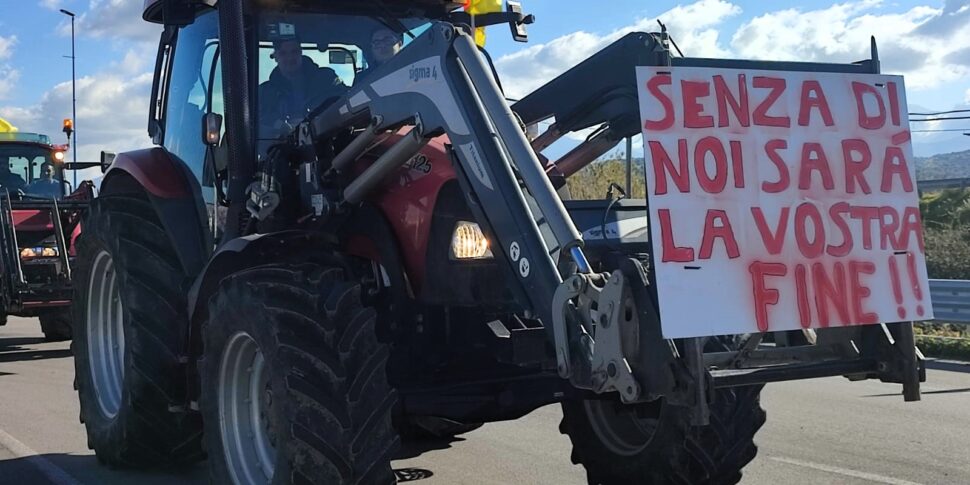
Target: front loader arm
440 84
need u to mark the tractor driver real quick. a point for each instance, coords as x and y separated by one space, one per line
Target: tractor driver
296 85
46 185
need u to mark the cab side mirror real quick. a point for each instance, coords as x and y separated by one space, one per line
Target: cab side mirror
519 21
107 158
211 129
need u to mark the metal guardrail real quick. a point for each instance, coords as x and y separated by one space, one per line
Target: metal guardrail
951 300
940 184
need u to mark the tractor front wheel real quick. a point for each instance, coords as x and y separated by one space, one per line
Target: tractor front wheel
653 443
130 310
294 386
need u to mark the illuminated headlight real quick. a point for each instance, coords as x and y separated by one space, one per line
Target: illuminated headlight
468 242
38 252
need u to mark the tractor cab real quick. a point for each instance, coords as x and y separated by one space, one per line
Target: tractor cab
300 57
30 165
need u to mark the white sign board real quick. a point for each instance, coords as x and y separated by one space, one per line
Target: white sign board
780 200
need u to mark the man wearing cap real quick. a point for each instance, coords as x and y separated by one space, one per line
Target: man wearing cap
296 86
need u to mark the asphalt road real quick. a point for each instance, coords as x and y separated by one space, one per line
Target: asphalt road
819 431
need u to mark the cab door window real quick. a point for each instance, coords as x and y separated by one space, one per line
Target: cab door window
194 89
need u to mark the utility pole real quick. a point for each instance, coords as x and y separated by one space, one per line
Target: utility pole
73 94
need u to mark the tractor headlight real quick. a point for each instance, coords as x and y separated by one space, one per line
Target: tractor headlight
38 252
468 242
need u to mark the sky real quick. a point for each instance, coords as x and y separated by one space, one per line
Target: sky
926 41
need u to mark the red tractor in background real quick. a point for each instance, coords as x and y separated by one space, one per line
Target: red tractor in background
40 215
294 287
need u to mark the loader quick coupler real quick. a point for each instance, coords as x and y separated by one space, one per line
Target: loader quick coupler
596 329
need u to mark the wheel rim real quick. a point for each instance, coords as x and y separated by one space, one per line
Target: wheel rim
245 405
620 427
106 334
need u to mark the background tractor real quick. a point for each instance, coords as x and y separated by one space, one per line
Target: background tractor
40 215
299 271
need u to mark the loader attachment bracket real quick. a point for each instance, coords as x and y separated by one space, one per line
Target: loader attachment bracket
608 339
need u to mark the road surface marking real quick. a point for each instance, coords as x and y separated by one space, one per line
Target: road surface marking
53 472
844 471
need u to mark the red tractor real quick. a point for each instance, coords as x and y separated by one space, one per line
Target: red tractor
40 216
330 246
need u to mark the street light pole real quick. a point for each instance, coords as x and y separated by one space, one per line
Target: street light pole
73 93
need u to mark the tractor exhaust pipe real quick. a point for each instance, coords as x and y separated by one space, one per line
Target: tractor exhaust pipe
402 151
357 147
585 153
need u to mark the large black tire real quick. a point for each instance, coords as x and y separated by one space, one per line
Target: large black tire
668 450
325 406
56 326
128 277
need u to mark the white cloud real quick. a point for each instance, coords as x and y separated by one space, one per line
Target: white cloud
966 97
112 106
927 45
111 113
51 4
8 80
693 27
8 75
922 43
6 46
120 19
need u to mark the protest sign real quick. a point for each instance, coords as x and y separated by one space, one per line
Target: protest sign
780 200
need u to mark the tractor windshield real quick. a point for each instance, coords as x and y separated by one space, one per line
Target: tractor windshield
29 168
306 60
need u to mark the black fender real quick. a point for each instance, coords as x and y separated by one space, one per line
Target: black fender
173 192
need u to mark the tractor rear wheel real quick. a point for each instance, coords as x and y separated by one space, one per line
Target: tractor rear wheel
56 326
131 316
294 386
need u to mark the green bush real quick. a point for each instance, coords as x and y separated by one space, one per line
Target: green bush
592 182
948 253
943 347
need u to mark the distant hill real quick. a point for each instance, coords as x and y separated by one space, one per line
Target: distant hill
935 167
943 166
